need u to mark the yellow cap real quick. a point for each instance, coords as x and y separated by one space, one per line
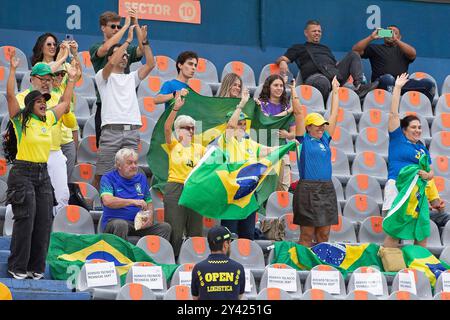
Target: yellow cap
315 119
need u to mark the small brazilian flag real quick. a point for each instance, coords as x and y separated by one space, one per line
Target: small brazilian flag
210 116
409 216
68 249
220 189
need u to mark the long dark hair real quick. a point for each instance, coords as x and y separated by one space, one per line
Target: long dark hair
38 54
265 92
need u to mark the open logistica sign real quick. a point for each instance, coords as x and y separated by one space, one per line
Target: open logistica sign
187 11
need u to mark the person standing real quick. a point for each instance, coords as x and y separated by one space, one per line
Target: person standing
29 187
315 201
218 277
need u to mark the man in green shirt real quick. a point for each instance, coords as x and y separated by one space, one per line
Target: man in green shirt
112 34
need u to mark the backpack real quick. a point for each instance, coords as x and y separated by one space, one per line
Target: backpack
77 198
9 143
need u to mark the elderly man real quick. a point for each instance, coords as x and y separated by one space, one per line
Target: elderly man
390 59
318 65
125 192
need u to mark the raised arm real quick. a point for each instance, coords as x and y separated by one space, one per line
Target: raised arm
234 119
117 56
334 106
13 104
103 49
299 117
73 72
179 102
394 118
61 58
407 49
361 45
282 62
141 34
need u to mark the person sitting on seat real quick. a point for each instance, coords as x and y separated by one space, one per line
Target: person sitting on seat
125 192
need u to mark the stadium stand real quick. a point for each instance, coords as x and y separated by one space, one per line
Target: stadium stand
158 248
372 139
443 104
279 203
440 144
403 295
378 276
83 172
424 75
311 98
97 292
193 250
364 184
373 118
342 140
149 86
86 64
136 292
317 294
207 72
295 294
273 294
73 219
309 284
359 207
439 286
23 61
343 232
378 99
346 120
422 284
165 68
292 231
442 296
360 295
159 288
178 292
340 166
249 254
371 230
244 71
371 164
149 109
348 100
177 279
441 122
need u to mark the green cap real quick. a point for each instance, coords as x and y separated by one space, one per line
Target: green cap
41 69
242 116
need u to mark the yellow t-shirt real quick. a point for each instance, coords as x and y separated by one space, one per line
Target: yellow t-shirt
66 132
34 144
68 119
237 151
183 159
431 191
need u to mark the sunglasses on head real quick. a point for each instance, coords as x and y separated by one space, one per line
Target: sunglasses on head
188 128
115 26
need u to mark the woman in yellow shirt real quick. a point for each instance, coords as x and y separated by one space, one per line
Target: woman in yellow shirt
30 192
183 155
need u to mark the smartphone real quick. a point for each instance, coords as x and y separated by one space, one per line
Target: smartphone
69 37
385 33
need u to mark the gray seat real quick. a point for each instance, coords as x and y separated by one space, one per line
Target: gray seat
423 286
98 293
311 98
273 294
268 70
439 287
165 68
185 267
207 72
441 122
157 248
445 238
342 140
374 118
348 99
159 293
73 219
279 203
343 232
372 139
371 230
440 144
200 86
292 231
360 295
178 292
249 254
297 295
81 110
193 250
345 119
414 101
149 86
84 172
342 291
443 104
339 163
368 270
87 149
372 164
135 291
364 184
317 294
402 295
360 206
378 99
149 109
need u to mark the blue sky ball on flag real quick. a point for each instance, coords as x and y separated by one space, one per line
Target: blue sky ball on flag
248 179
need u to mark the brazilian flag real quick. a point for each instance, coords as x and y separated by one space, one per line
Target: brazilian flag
220 189
210 115
409 216
68 249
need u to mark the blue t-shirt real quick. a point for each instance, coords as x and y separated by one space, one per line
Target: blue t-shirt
114 184
314 162
402 152
172 86
218 278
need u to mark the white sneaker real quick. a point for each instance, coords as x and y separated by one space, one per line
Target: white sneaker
18 275
35 275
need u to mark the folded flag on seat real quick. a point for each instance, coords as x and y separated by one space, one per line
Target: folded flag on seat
72 249
220 189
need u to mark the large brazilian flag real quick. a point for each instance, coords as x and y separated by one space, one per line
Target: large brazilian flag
210 115
68 249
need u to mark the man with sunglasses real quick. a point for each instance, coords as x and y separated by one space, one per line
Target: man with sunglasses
120 114
113 32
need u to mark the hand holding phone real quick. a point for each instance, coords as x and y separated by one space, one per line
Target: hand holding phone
69 37
385 33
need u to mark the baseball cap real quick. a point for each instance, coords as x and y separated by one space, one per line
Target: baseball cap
35 94
242 116
41 69
218 234
315 119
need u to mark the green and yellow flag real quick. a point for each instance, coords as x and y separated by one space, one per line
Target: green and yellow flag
409 216
210 115
220 189
68 249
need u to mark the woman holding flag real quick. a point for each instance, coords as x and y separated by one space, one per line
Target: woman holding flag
183 156
315 202
405 148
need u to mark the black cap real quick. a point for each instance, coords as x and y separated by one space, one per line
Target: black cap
34 95
218 234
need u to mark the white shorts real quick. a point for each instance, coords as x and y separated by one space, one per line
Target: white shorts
390 193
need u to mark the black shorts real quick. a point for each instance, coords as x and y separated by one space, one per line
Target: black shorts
315 204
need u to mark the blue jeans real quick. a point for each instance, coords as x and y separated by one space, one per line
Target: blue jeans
244 228
425 86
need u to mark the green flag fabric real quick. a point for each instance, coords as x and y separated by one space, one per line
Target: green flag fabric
67 250
409 216
210 115
220 189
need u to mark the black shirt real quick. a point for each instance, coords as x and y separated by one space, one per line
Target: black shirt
218 278
322 54
386 60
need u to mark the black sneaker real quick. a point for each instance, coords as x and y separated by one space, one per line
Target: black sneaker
35 275
18 275
364 89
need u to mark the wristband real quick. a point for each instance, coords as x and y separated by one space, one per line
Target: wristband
145 42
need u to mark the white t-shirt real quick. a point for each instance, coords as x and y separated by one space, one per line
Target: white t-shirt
119 99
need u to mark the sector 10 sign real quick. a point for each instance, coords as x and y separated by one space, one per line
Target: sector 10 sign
187 11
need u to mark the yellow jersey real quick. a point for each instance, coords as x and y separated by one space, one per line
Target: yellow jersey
238 151
183 159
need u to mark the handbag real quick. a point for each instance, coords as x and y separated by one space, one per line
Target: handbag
273 229
328 70
392 259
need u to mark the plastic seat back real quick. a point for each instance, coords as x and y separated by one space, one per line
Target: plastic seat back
343 232
364 184
378 99
178 292
374 118
149 87
440 144
415 101
371 164
158 248
310 97
279 203
241 69
371 230
372 139
165 68
348 100
273 294
248 253
84 172
193 250
73 219
369 270
422 283
292 231
135 291
342 140
87 150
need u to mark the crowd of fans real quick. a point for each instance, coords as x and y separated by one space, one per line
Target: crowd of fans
44 137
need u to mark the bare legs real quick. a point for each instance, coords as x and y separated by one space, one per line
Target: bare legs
308 234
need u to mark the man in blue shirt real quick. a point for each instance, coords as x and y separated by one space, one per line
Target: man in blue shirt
218 277
186 66
124 192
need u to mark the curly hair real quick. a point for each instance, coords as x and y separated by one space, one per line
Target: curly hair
38 54
264 96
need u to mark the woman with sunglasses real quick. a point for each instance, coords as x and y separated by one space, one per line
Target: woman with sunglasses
65 134
183 155
29 188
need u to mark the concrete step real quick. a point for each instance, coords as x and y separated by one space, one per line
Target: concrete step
5 243
36 285
47 295
4 254
4 271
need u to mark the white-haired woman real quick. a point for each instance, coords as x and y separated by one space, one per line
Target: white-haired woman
183 157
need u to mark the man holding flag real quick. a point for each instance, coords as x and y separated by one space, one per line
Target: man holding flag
409 172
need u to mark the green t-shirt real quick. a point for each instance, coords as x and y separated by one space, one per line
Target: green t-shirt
99 63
